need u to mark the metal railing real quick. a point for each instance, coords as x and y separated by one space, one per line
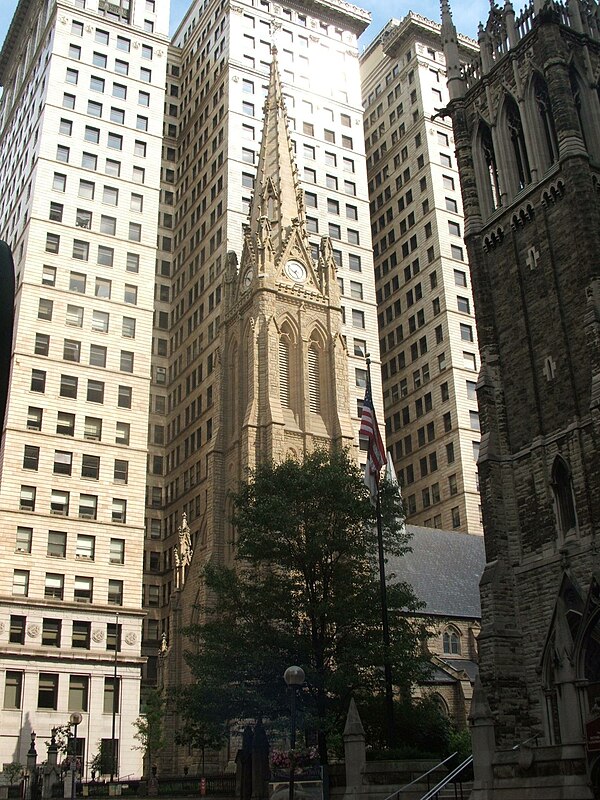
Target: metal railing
419 779
432 793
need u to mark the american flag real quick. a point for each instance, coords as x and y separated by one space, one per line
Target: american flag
376 451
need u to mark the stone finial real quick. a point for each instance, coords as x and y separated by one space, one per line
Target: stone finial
480 708
450 43
353 726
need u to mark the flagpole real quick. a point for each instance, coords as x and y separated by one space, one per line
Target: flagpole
387 666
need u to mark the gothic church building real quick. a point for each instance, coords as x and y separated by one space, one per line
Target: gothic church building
526 117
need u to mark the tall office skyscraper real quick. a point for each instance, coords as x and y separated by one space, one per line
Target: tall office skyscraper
425 303
81 137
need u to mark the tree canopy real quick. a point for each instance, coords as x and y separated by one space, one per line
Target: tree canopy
304 590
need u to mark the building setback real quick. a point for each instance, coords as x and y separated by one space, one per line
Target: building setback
81 138
425 304
525 116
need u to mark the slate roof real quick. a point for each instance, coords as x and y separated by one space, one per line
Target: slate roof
444 569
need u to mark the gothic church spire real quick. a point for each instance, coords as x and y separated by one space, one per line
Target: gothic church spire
278 205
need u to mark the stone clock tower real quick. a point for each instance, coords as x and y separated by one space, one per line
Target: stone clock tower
283 365
282 373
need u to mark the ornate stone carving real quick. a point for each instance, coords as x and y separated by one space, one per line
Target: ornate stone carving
182 552
130 638
33 630
98 635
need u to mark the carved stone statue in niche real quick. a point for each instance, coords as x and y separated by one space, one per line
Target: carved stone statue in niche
182 552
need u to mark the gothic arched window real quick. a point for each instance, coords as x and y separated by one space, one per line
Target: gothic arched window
491 184
549 143
517 142
451 641
577 99
564 505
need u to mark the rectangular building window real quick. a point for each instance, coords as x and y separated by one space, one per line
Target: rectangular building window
47 691
78 693
20 586
13 689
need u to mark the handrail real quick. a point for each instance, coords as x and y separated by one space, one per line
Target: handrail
420 777
450 777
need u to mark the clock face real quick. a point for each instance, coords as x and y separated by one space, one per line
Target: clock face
247 279
296 271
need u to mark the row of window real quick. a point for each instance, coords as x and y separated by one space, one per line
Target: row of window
83 217
121 67
411 507
54 588
69 387
56 545
60 501
63 464
87 189
48 692
65 425
89 161
72 352
100 319
81 247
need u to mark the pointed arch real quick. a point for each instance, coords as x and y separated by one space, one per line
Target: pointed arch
288 364
588 646
486 169
440 703
564 498
232 408
451 643
544 128
518 168
580 104
316 370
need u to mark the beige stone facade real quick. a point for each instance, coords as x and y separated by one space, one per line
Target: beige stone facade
80 138
426 318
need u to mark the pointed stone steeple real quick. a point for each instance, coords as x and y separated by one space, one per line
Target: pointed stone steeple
278 203
450 43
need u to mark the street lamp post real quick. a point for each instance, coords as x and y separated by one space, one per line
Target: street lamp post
294 677
74 720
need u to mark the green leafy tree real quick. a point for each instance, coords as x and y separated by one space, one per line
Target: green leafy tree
150 729
304 590
422 730
13 772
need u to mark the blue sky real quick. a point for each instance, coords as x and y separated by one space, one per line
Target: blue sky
466 14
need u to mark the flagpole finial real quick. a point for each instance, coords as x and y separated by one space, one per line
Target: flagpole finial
368 358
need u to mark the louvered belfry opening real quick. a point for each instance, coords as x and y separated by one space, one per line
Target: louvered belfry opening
284 372
314 380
